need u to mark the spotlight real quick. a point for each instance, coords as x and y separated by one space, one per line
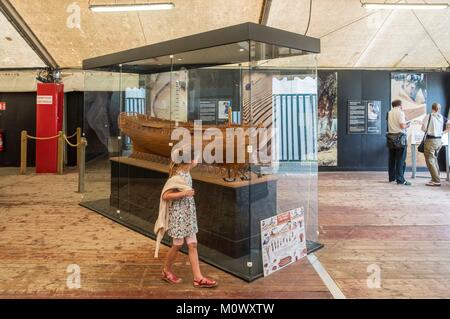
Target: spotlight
132 7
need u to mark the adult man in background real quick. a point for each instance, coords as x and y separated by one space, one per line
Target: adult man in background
397 143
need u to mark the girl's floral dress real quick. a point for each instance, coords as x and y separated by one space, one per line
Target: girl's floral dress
182 214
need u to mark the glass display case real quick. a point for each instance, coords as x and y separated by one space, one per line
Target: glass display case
247 96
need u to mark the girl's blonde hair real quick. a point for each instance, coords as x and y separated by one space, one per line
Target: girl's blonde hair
174 167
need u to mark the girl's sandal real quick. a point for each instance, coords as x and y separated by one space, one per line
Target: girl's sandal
170 277
205 283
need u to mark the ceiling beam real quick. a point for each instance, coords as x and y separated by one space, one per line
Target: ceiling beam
371 42
26 33
431 38
265 11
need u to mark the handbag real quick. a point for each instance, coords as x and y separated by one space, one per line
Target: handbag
421 147
395 140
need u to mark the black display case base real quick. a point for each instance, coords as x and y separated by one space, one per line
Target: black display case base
229 236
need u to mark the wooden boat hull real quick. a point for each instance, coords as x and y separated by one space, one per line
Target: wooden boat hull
153 136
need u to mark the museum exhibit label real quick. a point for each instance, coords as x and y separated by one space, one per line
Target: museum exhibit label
357 114
364 117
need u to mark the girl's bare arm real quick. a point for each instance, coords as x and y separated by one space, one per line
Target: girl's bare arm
173 194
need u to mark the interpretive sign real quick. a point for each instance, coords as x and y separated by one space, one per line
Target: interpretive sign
364 117
357 114
283 240
208 110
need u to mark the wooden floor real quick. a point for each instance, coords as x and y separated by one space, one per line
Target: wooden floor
364 220
404 230
43 230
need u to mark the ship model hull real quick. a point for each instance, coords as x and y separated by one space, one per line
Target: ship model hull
151 140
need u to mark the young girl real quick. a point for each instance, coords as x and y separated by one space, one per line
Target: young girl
182 223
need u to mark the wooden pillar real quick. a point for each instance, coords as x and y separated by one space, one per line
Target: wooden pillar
81 164
60 152
23 152
79 147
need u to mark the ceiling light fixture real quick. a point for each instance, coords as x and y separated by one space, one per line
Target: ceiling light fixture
131 7
405 6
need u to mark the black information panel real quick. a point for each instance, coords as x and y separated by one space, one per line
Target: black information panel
208 111
214 111
364 117
356 117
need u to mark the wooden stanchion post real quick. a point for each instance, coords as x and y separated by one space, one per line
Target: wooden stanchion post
60 152
79 147
82 164
23 153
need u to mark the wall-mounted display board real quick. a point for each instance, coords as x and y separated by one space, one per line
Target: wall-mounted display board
411 89
214 111
327 115
357 115
208 111
373 117
364 117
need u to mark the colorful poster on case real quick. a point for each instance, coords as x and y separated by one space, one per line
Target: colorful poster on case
327 119
283 240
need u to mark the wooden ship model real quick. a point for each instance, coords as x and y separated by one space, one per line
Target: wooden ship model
151 139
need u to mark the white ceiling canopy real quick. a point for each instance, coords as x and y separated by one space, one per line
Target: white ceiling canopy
354 37
14 51
351 36
71 32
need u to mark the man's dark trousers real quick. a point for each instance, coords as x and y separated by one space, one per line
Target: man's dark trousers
397 164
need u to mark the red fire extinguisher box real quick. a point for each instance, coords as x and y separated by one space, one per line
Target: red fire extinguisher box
49 117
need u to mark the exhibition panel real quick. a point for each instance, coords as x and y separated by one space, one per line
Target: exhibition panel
247 112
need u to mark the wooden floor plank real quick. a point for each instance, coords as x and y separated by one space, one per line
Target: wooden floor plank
43 230
364 221
405 231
